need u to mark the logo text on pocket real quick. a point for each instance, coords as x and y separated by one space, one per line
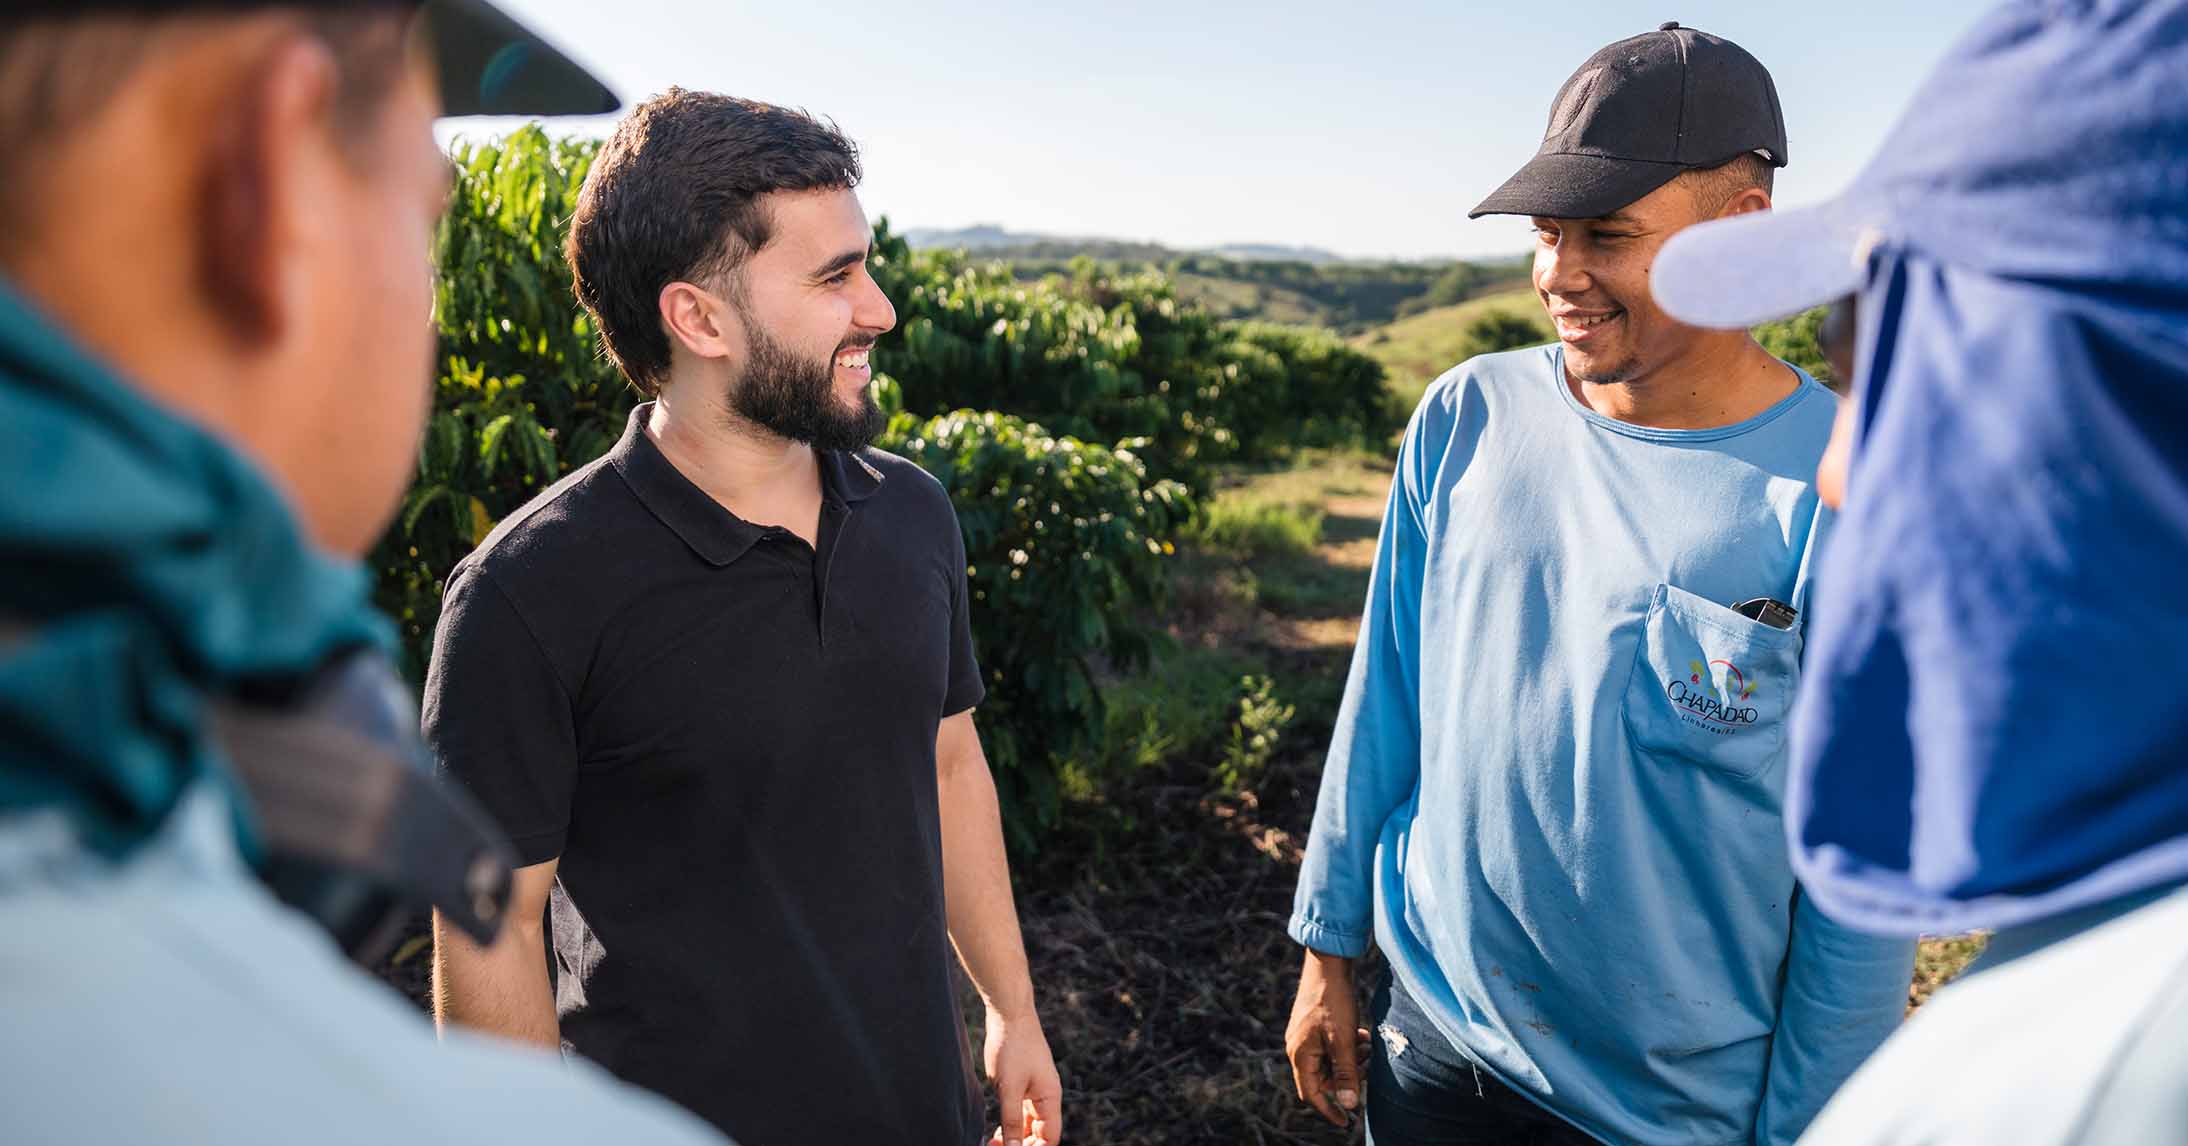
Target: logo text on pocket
1710 697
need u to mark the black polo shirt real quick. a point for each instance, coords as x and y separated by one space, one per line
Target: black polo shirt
728 736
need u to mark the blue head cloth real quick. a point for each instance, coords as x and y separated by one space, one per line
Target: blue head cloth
1993 726
145 567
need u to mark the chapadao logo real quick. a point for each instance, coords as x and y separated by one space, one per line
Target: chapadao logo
1712 700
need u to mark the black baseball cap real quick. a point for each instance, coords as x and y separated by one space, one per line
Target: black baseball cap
1637 114
489 64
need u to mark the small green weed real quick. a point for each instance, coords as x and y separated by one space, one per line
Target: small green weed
1262 718
1178 710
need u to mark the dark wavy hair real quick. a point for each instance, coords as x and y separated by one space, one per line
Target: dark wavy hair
675 196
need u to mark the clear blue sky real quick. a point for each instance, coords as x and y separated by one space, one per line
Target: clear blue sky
1366 127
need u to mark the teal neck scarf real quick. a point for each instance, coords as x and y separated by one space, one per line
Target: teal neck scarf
145 567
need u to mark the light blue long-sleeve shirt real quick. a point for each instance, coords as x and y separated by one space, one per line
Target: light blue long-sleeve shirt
1553 794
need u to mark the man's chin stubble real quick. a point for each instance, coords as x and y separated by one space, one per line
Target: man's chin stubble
1617 375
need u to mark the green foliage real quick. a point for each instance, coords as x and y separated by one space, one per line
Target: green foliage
1795 340
1208 710
1499 330
1321 392
1251 528
522 394
970 336
1179 712
1462 281
1344 295
1067 544
1417 349
1347 296
1262 719
1108 356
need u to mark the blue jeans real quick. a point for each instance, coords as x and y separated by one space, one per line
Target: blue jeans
1422 1091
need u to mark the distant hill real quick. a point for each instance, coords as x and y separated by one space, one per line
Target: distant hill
1271 253
1267 281
1416 349
984 238
978 237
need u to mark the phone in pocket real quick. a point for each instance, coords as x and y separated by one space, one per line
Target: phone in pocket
1768 611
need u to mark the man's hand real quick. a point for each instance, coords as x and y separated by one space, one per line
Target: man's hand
1026 1086
1324 1039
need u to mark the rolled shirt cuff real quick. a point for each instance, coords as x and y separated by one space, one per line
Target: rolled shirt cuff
1328 940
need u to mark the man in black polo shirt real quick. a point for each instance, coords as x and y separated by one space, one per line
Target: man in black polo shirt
718 685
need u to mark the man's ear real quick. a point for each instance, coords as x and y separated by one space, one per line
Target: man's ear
1750 200
266 182
698 320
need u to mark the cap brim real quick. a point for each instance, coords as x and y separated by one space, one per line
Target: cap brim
1562 185
492 65
1734 273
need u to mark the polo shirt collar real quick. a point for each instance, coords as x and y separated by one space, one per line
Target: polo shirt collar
848 477
718 536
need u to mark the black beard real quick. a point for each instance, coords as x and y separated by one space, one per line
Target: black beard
796 399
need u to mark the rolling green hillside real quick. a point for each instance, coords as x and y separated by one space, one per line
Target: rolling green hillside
1417 348
1299 286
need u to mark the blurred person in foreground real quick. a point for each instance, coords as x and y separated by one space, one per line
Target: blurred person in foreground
719 684
214 343
1553 797
1994 729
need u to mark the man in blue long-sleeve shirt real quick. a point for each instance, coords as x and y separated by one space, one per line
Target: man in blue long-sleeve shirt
1553 797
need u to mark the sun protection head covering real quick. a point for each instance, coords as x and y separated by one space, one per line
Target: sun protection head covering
489 64
1993 727
1638 113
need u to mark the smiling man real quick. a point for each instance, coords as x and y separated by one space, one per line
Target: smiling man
718 685
1553 798
215 278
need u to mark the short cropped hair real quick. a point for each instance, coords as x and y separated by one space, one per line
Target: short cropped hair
58 71
1713 187
675 196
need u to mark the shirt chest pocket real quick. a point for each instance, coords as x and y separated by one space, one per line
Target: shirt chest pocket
1710 686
